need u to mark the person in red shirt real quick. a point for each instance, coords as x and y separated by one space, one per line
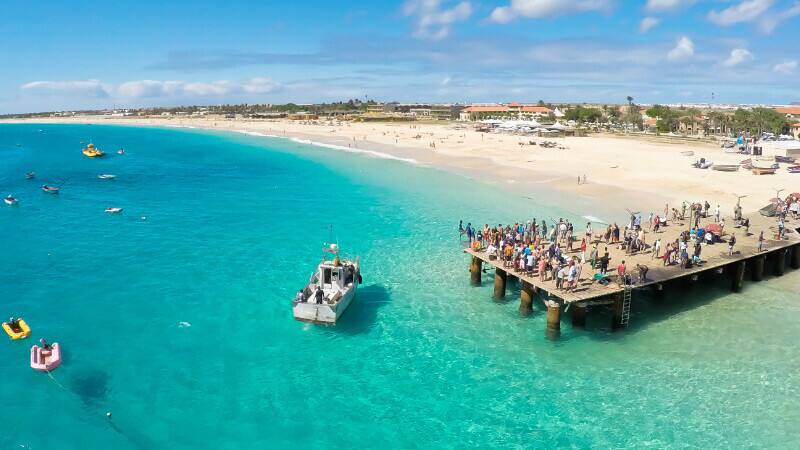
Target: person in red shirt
621 269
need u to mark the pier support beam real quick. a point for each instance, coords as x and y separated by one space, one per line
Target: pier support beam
757 268
526 299
578 316
500 276
795 262
475 268
737 275
553 319
616 313
780 262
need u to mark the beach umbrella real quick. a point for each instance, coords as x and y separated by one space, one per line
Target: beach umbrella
714 228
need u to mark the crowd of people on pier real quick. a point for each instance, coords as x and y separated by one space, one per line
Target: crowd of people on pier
556 253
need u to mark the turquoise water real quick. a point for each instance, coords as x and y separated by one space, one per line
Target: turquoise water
219 231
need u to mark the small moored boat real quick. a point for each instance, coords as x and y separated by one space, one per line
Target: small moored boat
50 189
725 167
106 176
793 169
121 151
329 291
93 152
785 159
113 210
17 329
10 200
45 358
30 176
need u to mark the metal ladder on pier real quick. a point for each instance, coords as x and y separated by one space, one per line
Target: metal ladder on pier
627 294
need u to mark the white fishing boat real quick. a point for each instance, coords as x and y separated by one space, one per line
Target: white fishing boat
113 210
10 200
106 176
329 291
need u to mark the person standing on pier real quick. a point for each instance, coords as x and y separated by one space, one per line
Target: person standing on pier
731 243
761 242
593 256
583 251
656 248
604 262
716 214
589 231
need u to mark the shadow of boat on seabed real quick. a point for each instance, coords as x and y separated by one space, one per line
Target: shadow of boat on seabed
362 315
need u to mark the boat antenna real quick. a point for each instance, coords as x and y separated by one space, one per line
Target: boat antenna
778 192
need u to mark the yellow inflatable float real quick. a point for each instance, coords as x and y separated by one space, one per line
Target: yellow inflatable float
17 329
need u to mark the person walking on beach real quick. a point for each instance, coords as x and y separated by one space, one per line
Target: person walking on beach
731 243
650 222
716 214
589 231
583 251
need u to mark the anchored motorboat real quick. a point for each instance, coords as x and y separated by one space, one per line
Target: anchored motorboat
113 210
45 358
10 200
50 189
93 152
106 176
30 176
329 291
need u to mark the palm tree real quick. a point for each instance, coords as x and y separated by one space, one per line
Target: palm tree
630 101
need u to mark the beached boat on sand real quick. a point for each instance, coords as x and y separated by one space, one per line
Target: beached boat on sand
793 169
329 291
725 167
763 170
785 159
45 359
769 210
688 153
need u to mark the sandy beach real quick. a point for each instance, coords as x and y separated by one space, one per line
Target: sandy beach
636 172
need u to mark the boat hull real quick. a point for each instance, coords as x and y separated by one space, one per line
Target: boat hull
44 361
15 335
323 313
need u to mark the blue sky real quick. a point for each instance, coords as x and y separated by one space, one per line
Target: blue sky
93 54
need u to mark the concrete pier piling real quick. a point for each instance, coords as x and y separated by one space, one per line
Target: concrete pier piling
500 277
475 267
616 313
578 313
553 319
526 299
737 275
757 268
780 262
795 262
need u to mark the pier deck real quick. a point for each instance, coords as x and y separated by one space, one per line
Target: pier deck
714 257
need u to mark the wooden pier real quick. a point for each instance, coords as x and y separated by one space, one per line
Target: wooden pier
715 261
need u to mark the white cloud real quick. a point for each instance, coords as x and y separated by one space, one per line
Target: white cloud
738 56
746 11
157 88
666 5
434 21
786 67
768 23
538 9
683 49
92 88
647 24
